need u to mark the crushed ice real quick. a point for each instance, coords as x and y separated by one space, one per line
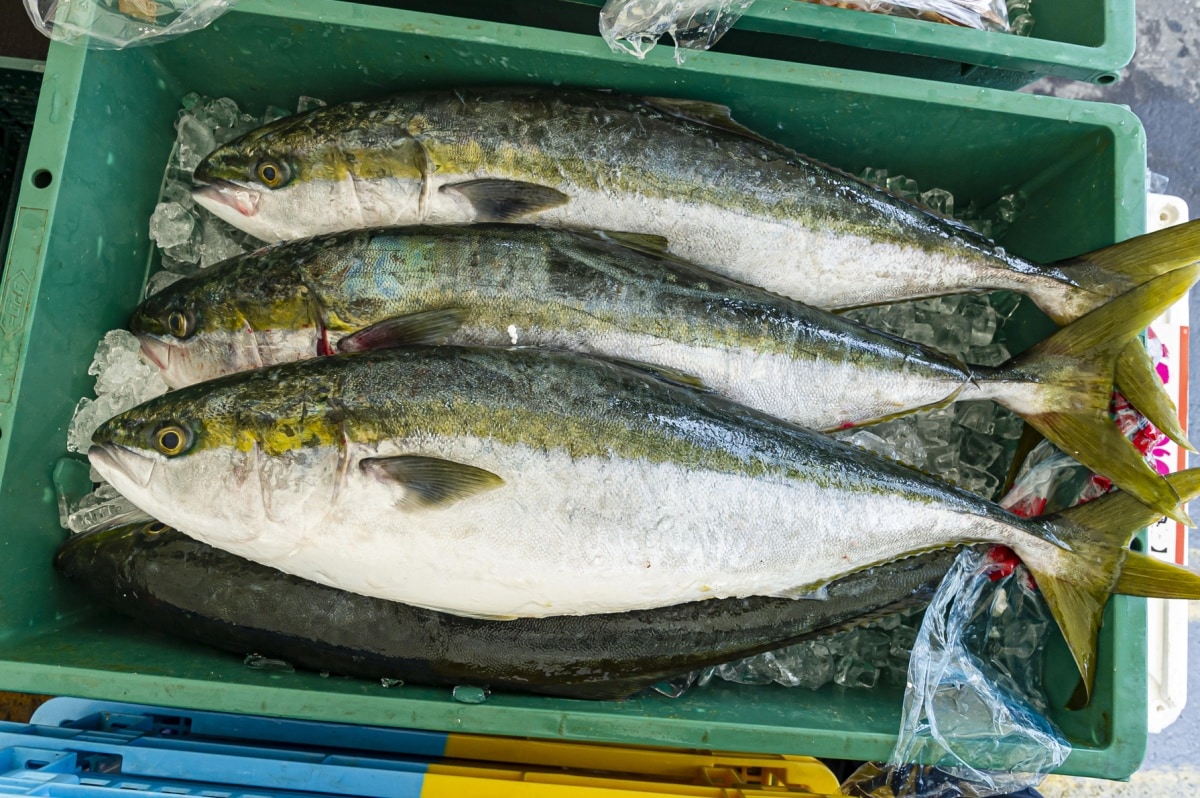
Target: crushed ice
189 237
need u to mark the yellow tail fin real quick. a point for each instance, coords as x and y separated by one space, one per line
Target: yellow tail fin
1117 269
1140 384
1094 562
1063 386
1143 575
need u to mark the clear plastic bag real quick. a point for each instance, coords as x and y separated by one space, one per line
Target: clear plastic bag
981 14
974 692
117 24
635 26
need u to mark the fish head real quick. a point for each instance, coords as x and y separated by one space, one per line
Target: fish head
331 169
94 555
249 311
213 458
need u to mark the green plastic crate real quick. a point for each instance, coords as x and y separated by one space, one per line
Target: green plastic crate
1088 40
19 83
80 256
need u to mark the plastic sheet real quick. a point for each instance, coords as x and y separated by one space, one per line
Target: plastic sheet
981 14
117 24
635 26
974 692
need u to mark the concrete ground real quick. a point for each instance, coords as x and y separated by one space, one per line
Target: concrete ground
1161 86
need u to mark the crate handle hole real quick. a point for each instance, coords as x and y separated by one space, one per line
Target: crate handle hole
42 179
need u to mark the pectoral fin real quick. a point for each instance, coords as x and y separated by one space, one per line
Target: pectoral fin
506 200
810 592
426 327
640 242
431 481
666 374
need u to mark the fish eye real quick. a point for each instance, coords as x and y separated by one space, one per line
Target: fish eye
172 439
155 528
181 324
271 173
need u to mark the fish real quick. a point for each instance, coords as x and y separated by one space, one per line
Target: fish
723 196
501 285
175 584
526 483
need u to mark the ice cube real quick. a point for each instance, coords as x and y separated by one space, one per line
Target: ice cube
103 508
160 280
1021 24
889 623
196 140
871 442
123 380
871 645
942 460
184 258
902 639
189 102
810 665
219 241
938 200
903 186
221 112
854 672
1010 206
259 662
991 355
876 177
982 321
306 103
980 450
1009 425
179 192
469 695
982 226
171 225
920 333
976 416
274 112
952 334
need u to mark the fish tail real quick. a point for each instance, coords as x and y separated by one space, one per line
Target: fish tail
1117 269
1140 384
1063 387
1095 562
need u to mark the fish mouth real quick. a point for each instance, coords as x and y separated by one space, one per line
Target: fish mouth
217 193
116 459
156 351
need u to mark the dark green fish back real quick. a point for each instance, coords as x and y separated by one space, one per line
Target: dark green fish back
186 588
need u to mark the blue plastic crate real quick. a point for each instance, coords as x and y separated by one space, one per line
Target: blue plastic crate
82 747
105 748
